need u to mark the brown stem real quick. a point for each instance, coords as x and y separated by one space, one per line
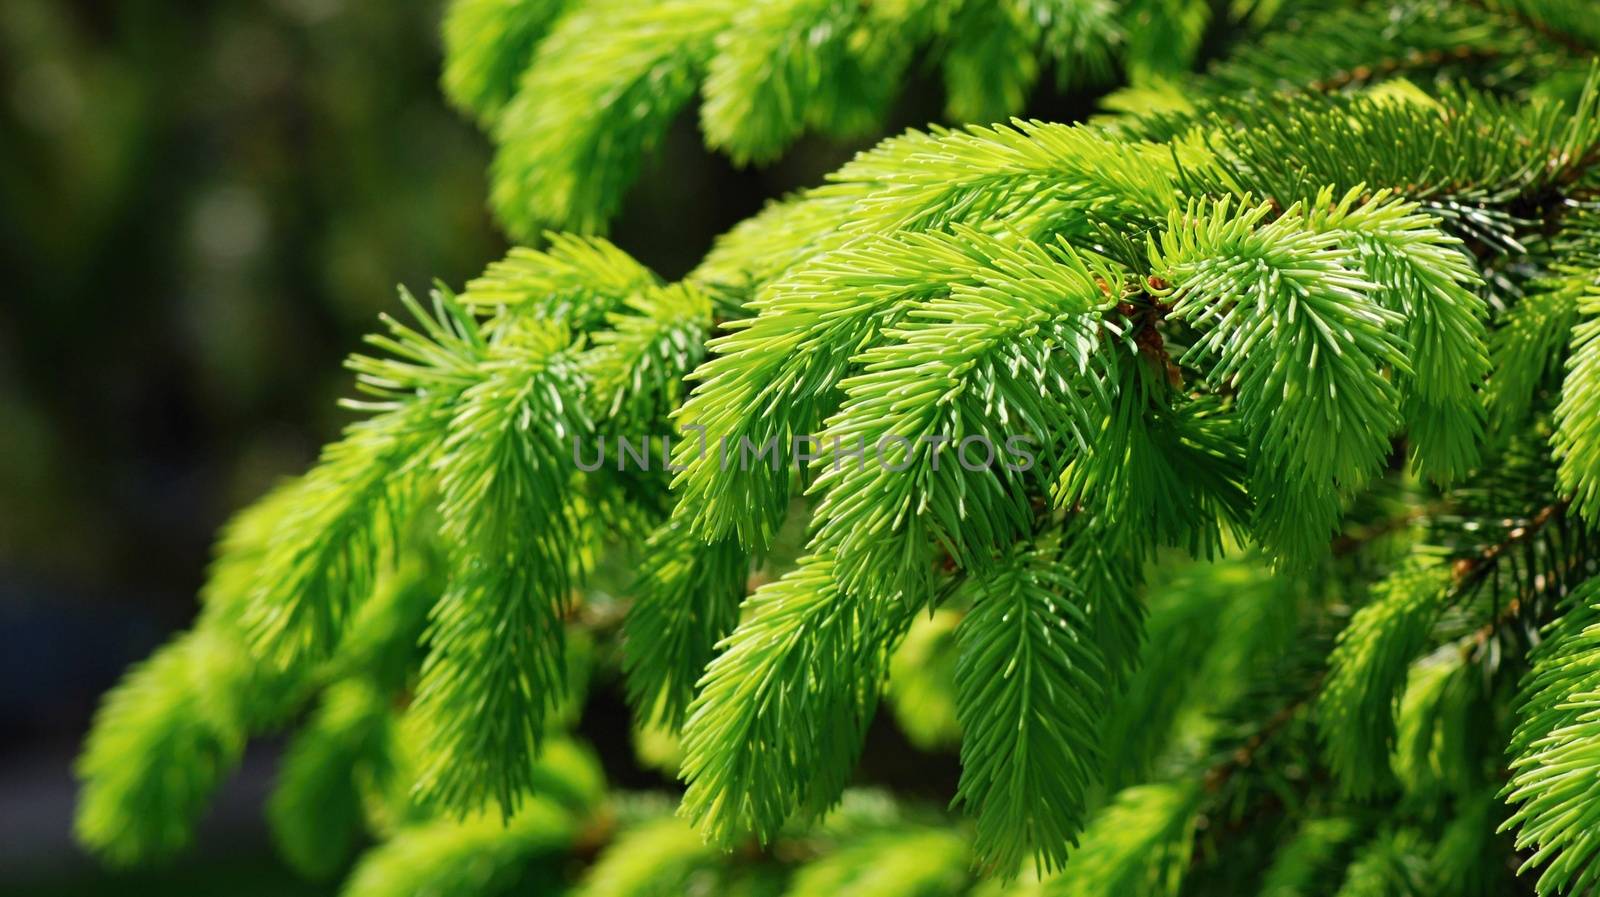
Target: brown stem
1567 41
1471 571
1245 755
1364 73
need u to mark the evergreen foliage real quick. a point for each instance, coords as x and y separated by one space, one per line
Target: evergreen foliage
1295 594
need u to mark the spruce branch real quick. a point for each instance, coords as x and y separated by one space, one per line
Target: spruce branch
1554 749
578 280
558 162
686 599
1577 436
1316 404
1004 356
162 741
780 66
488 44
1029 747
782 709
478 856
495 664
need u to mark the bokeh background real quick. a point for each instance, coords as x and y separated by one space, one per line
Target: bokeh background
203 205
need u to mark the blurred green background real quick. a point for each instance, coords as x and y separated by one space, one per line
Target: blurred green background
203 205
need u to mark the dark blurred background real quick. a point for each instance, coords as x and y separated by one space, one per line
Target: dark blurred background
202 207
